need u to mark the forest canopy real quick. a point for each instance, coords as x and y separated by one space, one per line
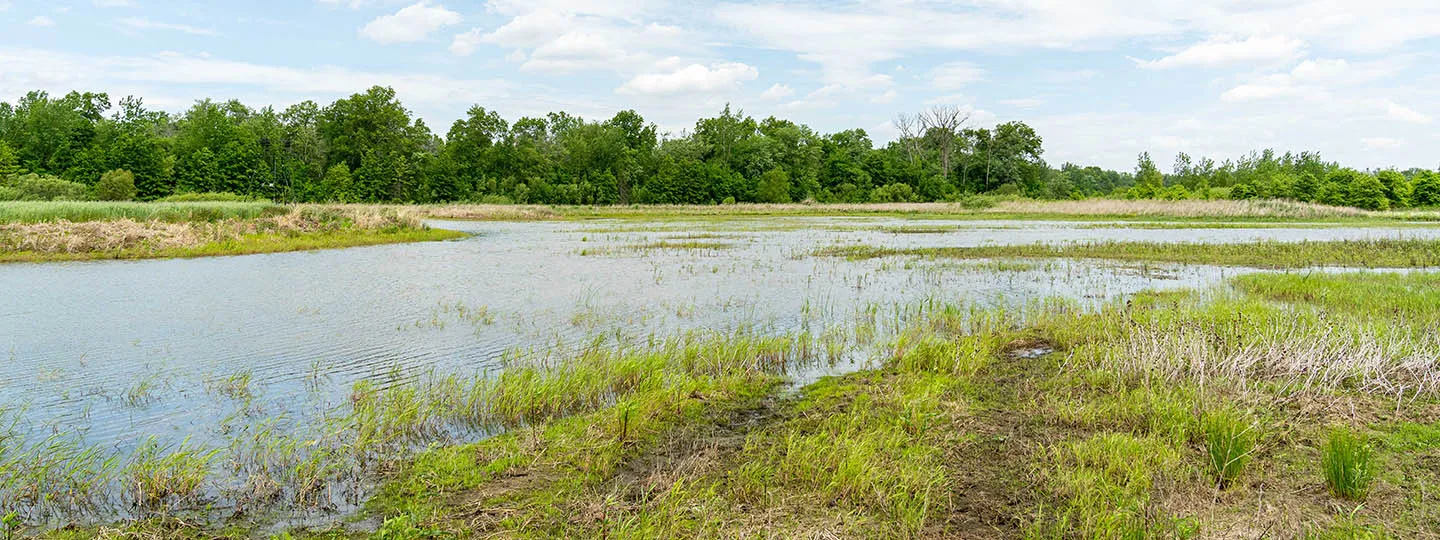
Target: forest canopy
369 148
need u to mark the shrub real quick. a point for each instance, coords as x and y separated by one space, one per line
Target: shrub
1174 193
1346 461
1008 189
892 193
496 199
116 185
33 187
1230 437
1242 191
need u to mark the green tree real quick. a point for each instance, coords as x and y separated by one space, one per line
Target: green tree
1397 188
337 184
116 185
1306 188
774 187
197 172
1367 192
1148 180
1427 189
9 162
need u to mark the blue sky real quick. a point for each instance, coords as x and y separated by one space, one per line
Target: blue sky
1101 80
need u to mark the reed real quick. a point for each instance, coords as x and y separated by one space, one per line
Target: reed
1380 253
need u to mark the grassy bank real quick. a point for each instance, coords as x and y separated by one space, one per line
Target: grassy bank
1282 406
41 232
168 212
249 244
1384 253
977 208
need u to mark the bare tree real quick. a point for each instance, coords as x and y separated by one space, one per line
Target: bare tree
942 125
910 135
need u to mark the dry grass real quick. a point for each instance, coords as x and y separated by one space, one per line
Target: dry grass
67 237
1190 209
486 212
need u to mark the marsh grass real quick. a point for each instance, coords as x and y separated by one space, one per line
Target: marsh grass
157 477
1380 253
167 212
236 386
1230 440
981 207
1347 461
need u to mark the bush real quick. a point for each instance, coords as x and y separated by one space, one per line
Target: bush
116 185
1008 189
1346 461
1174 193
1230 437
1242 192
33 187
892 193
496 199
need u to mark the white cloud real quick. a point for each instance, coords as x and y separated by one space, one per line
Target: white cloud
1311 80
412 23
1225 50
41 21
564 36
465 44
692 79
1381 143
113 3
954 75
1405 114
28 69
829 34
142 23
777 92
1023 103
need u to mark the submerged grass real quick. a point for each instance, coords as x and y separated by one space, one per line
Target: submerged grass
1382 253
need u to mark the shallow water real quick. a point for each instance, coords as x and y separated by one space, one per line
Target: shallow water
119 351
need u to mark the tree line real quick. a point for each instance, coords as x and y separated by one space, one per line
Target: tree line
369 148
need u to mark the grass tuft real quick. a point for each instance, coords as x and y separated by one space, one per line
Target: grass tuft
1230 437
1347 461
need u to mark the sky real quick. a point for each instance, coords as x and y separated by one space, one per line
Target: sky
1100 80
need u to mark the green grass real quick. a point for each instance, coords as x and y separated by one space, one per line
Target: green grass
1348 463
171 212
1230 437
1407 253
